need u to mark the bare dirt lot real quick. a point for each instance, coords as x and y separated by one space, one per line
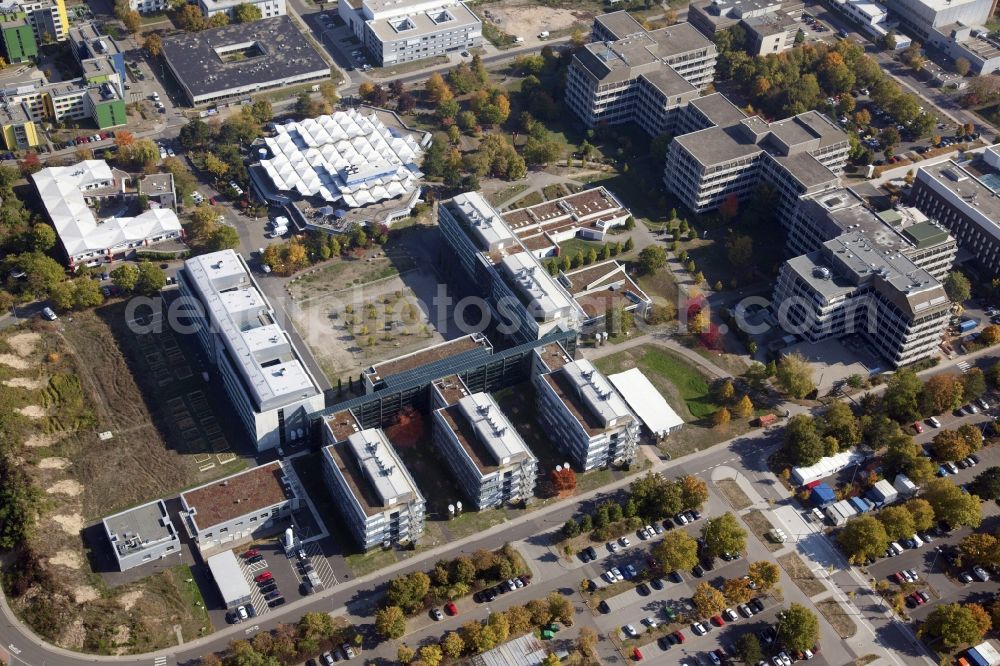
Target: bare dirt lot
53 426
524 19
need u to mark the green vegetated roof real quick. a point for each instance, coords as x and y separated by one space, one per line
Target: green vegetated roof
925 234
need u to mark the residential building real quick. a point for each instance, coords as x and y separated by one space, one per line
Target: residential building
798 155
963 198
397 31
17 35
237 508
589 214
268 8
19 130
581 412
628 74
100 58
141 534
523 300
371 486
270 387
483 450
821 217
768 25
238 60
851 286
605 287
149 6
349 158
68 193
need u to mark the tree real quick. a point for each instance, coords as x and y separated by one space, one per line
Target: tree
652 258
390 622
955 624
739 251
798 628
707 600
737 591
222 238
900 400
921 513
189 18
795 375
153 44
723 534
951 505
677 551
86 293
405 654
803 445
764 574
560 608
950 445
897 521
748 645
863 538
215 166
694 492
431 655
150 280
987 484
131 20
43 237
962 66
981 549
246 13
725 391
437 90
743 407
957 286
974 381
721 418
452 645
989 336
941 393
408 591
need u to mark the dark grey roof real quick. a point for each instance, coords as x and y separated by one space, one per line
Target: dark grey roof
285 53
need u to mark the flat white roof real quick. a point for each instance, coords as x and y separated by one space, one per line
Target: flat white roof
258 347
346 156
382 467
492 428
485 222
229 577
599 396
547 300
62 192
647 402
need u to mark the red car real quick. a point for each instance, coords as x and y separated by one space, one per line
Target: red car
918 426
636 654
253 552
917 599
679 636
450 608
264 577
717 621
898 577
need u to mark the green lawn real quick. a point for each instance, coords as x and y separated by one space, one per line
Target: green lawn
571 246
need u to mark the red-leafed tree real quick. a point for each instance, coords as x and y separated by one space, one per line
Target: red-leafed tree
563 480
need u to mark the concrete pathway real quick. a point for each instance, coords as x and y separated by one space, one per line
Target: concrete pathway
657 339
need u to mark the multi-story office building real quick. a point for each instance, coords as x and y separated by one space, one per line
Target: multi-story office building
268 8
47 20
396 31
372 488
270 387
523 300
581 411
100 58
67 194
930 21
798 156
16 35
851 286
142 534
963 198
821 217
226 512
400 368
482 449
629 74
19 131
767 24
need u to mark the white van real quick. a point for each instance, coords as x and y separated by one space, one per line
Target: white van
895 548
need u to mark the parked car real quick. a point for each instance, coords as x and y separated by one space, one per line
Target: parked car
699 629
264 577
49 313
436 614
253 552
980 573
630 631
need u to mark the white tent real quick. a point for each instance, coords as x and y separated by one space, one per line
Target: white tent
647 403
229 578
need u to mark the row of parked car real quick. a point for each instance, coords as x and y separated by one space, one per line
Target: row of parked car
84 139
490 593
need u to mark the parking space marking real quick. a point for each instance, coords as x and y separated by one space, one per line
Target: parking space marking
160 661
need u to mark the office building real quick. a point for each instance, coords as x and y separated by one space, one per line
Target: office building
65 101
581 412
149 6
397 31
768 25
851 286
141 534
16 35
401 368
905 230
930 21
628 74
797 156
486 255
243 59
486 455
18 129
974 43
268 8
270 387
605 287
963 198
158 188
375 493
349 158
589 214
45 20
252 503
99 56
68 195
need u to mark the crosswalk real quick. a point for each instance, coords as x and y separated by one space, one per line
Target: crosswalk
160 661
964 366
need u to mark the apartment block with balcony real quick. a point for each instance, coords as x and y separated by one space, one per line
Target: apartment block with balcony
851 286
581 411
268 384
483 450
629 74
373 490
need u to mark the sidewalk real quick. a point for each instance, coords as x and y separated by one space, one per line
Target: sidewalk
661 339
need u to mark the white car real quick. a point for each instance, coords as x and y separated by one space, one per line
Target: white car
630 631
699 629
624 542
643 534
610 577
650 622
242 610
612 546
617 573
